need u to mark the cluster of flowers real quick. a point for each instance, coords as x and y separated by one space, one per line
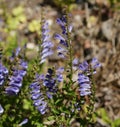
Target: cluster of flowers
45 45
50 83
15 80
62 48
18 72
54 77
83 77
37 95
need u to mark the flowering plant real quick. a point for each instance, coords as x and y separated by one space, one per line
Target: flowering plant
55 98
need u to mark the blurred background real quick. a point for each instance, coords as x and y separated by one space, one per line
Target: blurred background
96 33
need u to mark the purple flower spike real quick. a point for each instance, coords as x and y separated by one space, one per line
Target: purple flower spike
16 79
46 43
83 78
37 96
63 39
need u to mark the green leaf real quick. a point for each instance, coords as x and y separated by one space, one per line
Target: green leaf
116 123
21 18
51 118
26 104
58 101
54 111
12 23
102 112
34 26
18 10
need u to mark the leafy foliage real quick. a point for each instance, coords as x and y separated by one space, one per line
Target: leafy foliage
35 95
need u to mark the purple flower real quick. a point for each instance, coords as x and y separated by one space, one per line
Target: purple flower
59 74
17 51
84 84
1 109
46 44
62 48
83 77
24 64
70 28
23 122
75 62
59 37
49 95
50 82
60 22
84 66
61 51
77 106
95 63
12 90
15 54
87 68
16 79
37 95
3 74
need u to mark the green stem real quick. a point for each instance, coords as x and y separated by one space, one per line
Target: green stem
70 48
39 45
92 97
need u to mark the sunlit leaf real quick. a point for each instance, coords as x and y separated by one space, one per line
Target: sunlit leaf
17 11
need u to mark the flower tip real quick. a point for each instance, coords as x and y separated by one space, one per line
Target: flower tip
23 122
1 109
